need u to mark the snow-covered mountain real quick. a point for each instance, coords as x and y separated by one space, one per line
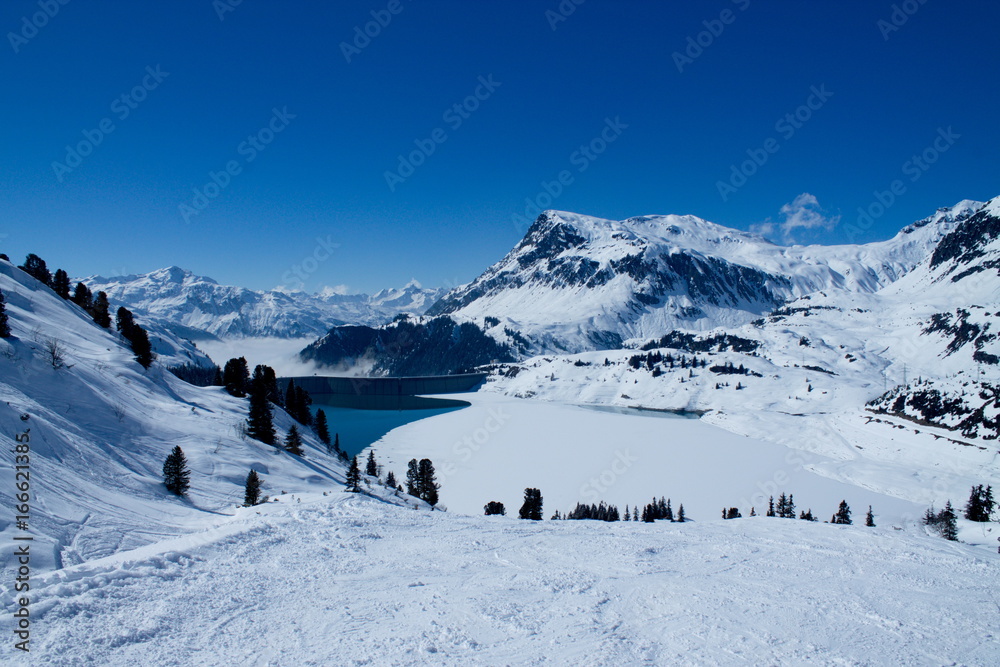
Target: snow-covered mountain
100 427
576 282
196 306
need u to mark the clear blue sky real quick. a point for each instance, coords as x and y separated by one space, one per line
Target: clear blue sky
324 174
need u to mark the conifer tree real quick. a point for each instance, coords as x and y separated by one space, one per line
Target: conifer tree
82 297
141 346
293 441
4 324
980 504
494 508
336 447
302 402
35 267
870 518
790 507
390 480
413 478
354 477
236 377
807 515
947 523
251 490
628 516
371 468
770 506
532 507
843 515
60 284
428 485
260 423
635 513
291 400
753 511
323 430
100 310
176 475
668 513
680 514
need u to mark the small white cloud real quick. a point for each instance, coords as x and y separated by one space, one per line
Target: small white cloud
335 290
803 212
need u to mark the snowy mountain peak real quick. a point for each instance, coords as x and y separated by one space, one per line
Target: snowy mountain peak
574 280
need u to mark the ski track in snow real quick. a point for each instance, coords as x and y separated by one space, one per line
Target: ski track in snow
352 580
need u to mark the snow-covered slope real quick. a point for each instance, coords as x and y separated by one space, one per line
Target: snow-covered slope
350 580
195 305
576 282
100 427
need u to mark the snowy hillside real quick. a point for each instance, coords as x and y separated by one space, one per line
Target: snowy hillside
198 307
349 580
100 427
576 282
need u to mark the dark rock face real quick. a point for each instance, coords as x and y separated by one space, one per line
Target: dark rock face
967 243
439 346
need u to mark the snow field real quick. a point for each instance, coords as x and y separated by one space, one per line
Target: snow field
352 580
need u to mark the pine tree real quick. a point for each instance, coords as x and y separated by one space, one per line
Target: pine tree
635 513
293 441
336 447
291 400
236 377
60 284
807 515
124 321
532 507
770 506
843 515
427 484
323 431
176 475
680 514
753 511
302 402
413 478
947 522
35 267
980 504
260 423
668 513
354 477
82 297
870 518
371 468
628 517
251 490
494 508
390 480
4 325
141 346
100 310
790 507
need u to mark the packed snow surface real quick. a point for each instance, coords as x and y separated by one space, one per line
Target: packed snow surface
352 580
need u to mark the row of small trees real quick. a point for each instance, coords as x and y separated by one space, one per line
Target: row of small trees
96 306
978 508
421 478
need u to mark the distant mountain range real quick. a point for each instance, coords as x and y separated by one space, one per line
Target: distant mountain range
198 307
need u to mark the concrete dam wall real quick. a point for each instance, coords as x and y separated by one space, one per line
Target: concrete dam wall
399 393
